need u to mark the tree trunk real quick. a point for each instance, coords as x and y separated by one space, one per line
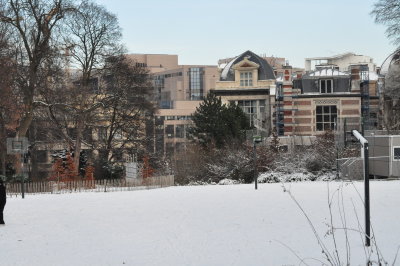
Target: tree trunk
3 163
78 143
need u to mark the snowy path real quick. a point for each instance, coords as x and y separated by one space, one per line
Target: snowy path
205 225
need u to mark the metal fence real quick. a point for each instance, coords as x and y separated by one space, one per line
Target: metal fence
351 168
105 185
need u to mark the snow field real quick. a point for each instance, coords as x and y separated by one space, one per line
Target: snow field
193 225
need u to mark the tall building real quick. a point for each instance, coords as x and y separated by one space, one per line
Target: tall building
155 62
275 96
342 92
179 89
249 81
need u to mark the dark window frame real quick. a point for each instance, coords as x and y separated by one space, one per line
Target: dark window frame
325 117
396 153
326 86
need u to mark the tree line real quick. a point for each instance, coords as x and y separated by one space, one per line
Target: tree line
65 78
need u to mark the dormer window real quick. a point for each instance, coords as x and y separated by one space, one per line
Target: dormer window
246 79
326 86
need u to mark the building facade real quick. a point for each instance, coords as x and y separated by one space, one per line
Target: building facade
178 91
248 80
326 98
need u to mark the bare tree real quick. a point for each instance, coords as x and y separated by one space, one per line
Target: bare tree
387 12
391 95
91 35
33 23
10 105
129 88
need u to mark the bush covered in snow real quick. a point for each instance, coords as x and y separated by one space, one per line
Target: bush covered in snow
213 165
199 165
276 177
228 182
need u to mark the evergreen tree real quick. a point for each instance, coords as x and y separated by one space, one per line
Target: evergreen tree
218 123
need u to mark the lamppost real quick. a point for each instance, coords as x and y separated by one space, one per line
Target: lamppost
256 139
365 153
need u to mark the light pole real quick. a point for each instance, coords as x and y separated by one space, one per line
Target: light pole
365 152
256 139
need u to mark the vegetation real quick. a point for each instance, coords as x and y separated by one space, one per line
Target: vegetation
65 80
218 124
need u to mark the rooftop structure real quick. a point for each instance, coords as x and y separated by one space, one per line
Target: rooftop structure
341 61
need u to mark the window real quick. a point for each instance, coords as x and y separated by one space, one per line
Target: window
246 79
180 131
187 131
196 83
326 86
141 64
254 110
118 134
396 153
169 130
326 117
250 109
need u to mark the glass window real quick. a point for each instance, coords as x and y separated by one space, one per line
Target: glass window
326 117
250 109
169 130
326 86
246 79
396 153
180 131
196 83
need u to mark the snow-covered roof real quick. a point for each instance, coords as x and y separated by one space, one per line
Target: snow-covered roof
331 57
222 66
373 75
327 72
265 71
225 72
387 62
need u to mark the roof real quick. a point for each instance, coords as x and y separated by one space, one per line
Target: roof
388 61
326 72
330 57
265 71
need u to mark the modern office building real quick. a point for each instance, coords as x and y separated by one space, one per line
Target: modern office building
178 90
155 62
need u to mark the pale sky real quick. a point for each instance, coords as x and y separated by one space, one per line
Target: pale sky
201 32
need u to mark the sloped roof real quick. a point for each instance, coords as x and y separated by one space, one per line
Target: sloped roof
386 64
327 72
265 71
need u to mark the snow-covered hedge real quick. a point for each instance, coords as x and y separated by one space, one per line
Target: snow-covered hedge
275 177
227 181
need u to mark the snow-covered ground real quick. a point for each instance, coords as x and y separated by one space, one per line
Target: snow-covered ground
193 225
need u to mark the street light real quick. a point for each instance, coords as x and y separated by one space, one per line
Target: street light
256 139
